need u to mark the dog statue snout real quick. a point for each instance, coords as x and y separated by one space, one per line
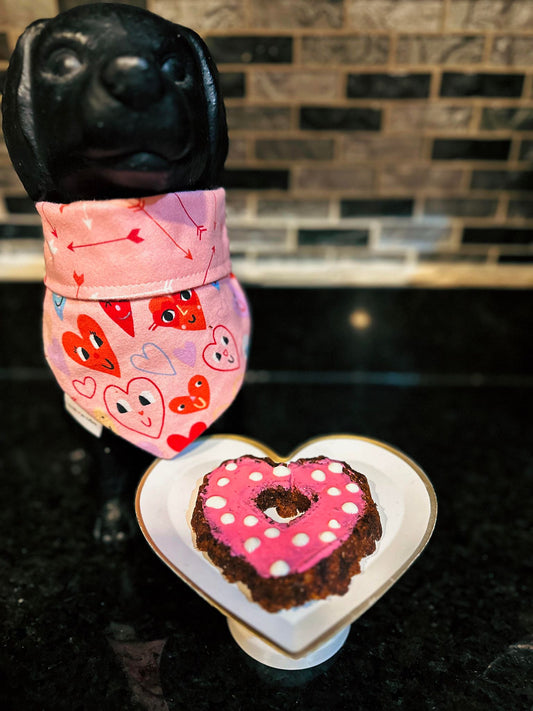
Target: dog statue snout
134 81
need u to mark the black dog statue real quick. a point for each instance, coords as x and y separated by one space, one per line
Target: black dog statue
108 101
115 124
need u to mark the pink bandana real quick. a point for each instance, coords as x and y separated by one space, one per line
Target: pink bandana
145 328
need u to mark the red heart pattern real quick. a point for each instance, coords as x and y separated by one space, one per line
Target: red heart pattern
181 310
144 342
197 399
120 312
179 442
90 347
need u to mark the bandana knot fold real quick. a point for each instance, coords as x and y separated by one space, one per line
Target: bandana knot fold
145 327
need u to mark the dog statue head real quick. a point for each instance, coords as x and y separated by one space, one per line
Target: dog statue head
106 101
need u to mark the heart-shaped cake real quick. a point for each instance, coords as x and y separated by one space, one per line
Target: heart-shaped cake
292 532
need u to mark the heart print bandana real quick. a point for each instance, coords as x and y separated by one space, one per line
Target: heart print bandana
145 327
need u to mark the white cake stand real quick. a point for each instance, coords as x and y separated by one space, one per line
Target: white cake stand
310 634
260 650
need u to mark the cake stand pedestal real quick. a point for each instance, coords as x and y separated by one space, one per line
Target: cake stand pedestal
265 653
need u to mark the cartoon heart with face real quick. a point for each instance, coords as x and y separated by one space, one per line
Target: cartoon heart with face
139 408
197 399
59 304
222 353
91 348
120 313
181 310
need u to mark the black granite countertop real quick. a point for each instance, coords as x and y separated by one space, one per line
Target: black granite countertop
445 376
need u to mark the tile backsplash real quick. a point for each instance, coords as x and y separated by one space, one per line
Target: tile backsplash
374 141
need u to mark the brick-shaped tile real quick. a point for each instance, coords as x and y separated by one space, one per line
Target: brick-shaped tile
431 49
294 85
281 14
407 15
490 15
203 15
367 50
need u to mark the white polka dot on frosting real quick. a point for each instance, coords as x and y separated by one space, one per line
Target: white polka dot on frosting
231 466
255 476
300 539
333 491
250 520
352 488
252 544
272 532
350 508
327 537
216 502
335 467
227 518
281 470
223 481
334 523
318 475
279 568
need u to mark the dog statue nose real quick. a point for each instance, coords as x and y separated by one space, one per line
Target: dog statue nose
134 81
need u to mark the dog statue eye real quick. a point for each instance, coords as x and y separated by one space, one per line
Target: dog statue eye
173 69
63 62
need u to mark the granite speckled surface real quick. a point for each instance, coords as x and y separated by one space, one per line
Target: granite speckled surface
445 376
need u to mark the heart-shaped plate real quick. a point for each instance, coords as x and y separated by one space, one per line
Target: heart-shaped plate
406 503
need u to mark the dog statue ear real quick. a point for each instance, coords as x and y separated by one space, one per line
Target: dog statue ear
18 120
216 114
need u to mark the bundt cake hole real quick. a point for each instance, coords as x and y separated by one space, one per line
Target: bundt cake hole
283 505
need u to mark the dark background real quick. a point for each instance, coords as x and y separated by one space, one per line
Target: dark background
445 376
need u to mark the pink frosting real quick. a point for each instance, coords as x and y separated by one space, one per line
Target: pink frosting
275 548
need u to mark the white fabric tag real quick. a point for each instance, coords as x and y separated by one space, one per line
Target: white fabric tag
82 417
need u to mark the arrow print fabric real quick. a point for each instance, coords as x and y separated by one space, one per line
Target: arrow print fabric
142 313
